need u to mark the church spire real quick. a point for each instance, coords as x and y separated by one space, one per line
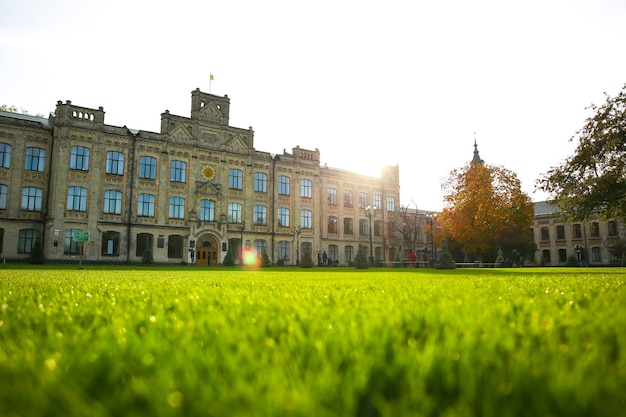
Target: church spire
476 159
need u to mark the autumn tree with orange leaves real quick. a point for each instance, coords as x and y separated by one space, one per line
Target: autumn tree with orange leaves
486 211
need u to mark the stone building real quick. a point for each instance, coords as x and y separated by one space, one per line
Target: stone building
184 195
590 242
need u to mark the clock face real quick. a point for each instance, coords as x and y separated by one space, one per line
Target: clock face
207 173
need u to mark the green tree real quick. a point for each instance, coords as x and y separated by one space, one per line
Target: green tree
147 257
444 257
36 253
360 260
265 260
594 178
307 260
229 259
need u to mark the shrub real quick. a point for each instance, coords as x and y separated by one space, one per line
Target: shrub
229 259
444 258
360 261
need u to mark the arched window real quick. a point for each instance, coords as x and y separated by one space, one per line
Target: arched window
79 158
35 159
110 244
207 210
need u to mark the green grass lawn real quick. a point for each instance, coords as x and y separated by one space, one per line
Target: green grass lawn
186 341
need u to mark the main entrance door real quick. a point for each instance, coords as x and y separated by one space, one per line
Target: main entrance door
206 253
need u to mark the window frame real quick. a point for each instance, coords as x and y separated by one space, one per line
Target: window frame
79 158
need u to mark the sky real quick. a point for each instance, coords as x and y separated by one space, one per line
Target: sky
369 83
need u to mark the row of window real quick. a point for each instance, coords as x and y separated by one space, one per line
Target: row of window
79 160
596 255
577 230
32 198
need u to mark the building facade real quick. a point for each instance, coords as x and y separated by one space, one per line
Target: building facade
591 242
90 191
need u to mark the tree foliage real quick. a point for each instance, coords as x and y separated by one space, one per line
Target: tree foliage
485 210
594 178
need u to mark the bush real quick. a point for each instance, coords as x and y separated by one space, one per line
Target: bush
36 254
444 258
307 260
265 260
360 261
572 260
229 259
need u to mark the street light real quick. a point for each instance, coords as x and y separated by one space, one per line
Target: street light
241 227
369 209
433 218
297 231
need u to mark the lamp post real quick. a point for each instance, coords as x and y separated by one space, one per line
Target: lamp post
432 217
369 209
296 232
241 227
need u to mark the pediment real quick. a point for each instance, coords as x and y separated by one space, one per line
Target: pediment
236 144
181 134
212 111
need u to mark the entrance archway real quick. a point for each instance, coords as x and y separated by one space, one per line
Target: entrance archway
206 251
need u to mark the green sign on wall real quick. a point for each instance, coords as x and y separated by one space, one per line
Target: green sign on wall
81 235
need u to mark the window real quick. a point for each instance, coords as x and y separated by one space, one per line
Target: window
35 159
115 163
234 213
175 246
260 182
283 250
70 247
363 227
306 188
147 167
283 185
1 240
77 199
144 244
362 200
4 190
112 202
595 229
178 171
545 233
26 240
207 210
349 253
596 254
177 208
331 196
235 179
391 203
560 232
378 228
333 252
145 206
332 225
5 155
612 226
283 217
348 226
260 246
110 244
260 215
577 231
306 219
545 257
79 158
347 198
378 202
32 199
562 256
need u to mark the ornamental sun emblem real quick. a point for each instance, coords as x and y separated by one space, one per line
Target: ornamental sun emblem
207 173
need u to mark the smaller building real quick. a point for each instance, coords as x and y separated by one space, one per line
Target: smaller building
592 242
